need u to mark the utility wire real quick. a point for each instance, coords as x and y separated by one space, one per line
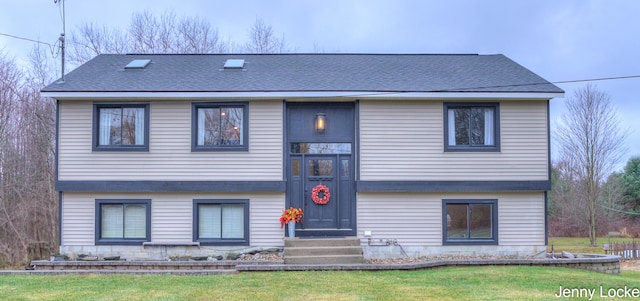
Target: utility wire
26 39
596 79
626 212
51 47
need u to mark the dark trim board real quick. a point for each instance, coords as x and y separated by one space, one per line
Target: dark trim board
60 218
449 186
546 218
172 186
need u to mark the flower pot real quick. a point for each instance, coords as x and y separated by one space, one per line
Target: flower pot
291 226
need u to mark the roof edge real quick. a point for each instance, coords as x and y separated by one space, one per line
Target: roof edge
298 94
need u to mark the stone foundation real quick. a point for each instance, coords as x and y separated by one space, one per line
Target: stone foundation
157 251
397 251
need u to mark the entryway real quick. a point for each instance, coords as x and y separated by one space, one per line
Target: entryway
320 167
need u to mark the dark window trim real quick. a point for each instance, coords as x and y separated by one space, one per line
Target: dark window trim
194 127
466 148
172 186
220 242
123 148
110 241
449 186
471 241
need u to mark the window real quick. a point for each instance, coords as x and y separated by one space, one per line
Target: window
221 222
471 127
470 222
219 127
123 222
121 127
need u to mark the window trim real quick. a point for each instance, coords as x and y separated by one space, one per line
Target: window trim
220 242
233 148
124 241
469 148
471 241
96 147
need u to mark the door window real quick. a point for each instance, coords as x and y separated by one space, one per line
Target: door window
320 168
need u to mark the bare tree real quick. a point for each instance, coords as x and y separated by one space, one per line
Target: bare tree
90 40
146 33
195 35
262 39
28 207
589 134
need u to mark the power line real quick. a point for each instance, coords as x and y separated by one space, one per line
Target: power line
51 46
595 79
26 39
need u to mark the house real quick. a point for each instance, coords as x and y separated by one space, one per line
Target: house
199 154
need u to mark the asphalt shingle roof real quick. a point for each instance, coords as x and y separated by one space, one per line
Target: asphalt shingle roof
304 72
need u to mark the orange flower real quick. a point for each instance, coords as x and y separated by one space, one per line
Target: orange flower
291 214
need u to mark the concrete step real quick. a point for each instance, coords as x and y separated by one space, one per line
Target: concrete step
319 251
331 259
321 242
345 250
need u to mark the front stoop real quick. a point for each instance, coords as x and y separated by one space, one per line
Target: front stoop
345 250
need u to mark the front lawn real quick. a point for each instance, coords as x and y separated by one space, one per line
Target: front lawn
470 283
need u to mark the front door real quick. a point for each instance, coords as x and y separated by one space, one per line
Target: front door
320 177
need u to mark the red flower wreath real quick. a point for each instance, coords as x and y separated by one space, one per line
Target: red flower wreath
315 194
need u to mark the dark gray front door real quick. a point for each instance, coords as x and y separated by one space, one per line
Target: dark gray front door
322 159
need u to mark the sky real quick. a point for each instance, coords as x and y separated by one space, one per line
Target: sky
565 40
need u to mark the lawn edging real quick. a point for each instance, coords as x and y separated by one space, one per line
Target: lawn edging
607 264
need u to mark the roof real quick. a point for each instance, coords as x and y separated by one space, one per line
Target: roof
304 73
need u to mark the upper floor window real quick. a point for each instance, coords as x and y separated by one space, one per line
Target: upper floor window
471 127
121 127
220 127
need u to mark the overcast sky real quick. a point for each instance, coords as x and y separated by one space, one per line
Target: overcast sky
560 40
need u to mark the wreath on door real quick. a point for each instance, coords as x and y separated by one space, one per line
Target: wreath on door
319 190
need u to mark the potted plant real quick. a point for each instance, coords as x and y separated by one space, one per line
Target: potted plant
290 217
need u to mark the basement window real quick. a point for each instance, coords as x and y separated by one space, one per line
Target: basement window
122 222
137 64
221 222
470 222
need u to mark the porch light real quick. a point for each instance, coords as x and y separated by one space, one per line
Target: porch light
321 120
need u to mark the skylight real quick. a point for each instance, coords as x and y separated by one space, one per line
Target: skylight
234 64
137 64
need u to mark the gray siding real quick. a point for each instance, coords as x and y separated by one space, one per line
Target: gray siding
404 140
170 156
171 216
416 219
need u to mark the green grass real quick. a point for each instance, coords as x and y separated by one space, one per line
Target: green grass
580 244
470 283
